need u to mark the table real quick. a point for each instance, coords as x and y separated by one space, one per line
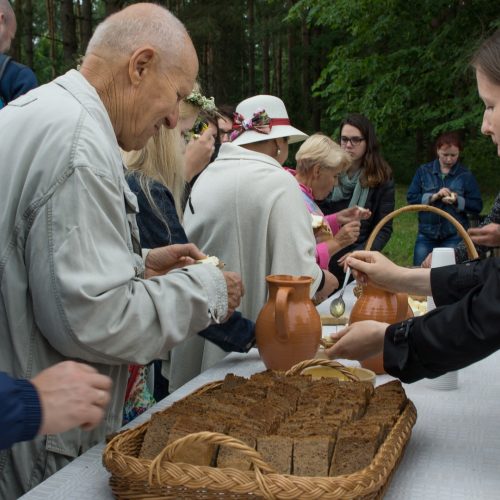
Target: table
453 453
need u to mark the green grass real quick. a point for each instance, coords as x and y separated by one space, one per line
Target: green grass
400 246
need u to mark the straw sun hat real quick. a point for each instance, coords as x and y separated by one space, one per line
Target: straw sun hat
263 117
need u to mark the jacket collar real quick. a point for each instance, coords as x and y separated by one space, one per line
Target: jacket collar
436 168
229 151
79 87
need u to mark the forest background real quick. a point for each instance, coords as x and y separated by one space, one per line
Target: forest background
404 64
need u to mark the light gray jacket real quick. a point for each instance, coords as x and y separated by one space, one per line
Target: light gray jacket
248 211
70 280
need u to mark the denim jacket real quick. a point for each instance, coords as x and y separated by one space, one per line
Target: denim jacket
427 181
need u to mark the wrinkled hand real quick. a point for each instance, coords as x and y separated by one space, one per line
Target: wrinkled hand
348 234
353 214
374 267
71 395
488 235
235 291
440 194
161 260
331 284
360 341
198 154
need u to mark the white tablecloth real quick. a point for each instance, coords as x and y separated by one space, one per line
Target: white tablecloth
454 451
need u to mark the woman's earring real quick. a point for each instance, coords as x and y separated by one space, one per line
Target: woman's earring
278 152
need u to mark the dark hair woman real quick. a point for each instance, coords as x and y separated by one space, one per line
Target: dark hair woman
366 183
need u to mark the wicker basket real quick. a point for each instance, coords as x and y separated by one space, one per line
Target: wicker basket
136 478
471 249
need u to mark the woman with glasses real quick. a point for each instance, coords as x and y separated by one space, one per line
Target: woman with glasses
446 184
367 183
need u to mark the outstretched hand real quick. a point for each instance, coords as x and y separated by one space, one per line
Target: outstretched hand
353 214
373 267
488 235
359 341
71 395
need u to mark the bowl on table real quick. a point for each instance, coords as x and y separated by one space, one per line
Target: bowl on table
363 374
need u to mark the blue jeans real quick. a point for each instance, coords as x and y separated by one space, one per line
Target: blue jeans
425 245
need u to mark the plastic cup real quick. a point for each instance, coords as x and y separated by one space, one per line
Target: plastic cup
443 257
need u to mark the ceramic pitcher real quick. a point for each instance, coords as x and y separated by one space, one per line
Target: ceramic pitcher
379 305
288 329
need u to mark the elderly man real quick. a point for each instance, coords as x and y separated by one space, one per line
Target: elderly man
71 272
15 78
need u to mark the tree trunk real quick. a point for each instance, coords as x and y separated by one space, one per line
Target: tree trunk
15 48
28 32
85 25
306 85
113 6
251 48
52 35
265 65
68 24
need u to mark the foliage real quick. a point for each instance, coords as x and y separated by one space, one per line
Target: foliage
403 64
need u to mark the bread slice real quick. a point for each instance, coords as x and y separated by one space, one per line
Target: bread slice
277 452
312 455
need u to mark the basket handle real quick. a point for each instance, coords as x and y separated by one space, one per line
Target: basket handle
297 369
259 465
471 249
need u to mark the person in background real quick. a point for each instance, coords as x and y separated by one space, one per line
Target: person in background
15 79
155 175
225 122
75 282
464 327
320 161
59 398
246 209
367 183
446 184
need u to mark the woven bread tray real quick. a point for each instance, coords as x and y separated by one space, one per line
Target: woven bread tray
136 478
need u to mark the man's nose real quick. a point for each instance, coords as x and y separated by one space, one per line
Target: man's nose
172 118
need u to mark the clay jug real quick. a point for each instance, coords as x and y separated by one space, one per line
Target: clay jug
379 305
288 329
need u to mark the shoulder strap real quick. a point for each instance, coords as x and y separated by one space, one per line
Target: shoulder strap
4 60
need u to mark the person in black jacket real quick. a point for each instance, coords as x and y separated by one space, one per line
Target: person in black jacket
59 398
367 183
464 327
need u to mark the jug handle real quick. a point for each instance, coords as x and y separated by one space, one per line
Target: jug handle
402 306
281 310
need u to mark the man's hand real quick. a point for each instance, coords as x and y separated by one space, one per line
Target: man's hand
161 260
331 284
235 291
359 341
71 395
198 154
353 214
488 235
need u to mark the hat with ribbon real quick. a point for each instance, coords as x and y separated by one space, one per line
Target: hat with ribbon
261 118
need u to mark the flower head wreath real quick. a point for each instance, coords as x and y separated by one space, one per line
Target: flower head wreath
202 102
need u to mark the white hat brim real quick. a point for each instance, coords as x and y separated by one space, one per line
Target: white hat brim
250 136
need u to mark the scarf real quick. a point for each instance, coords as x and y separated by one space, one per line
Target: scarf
350 188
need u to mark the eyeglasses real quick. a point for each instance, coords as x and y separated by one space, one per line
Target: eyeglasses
344 140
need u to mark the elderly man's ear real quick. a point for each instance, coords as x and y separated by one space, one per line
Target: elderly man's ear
141 61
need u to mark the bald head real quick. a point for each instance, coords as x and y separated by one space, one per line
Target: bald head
139 25
8 26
